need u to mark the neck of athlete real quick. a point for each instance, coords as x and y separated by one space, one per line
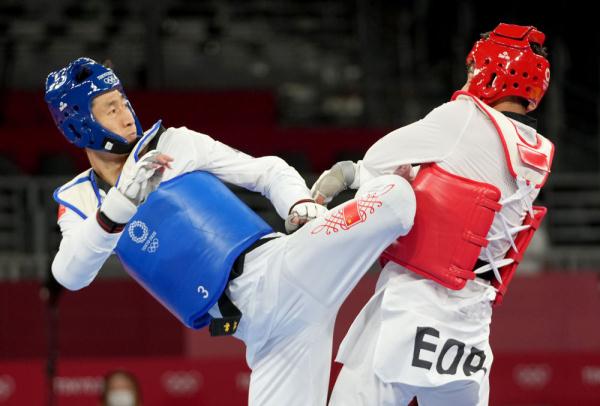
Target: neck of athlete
108 166
510 104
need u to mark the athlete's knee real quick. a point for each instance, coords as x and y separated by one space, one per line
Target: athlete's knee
396 193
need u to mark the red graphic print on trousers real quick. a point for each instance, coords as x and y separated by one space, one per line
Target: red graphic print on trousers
352 213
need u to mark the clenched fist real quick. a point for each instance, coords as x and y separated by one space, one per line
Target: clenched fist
301 213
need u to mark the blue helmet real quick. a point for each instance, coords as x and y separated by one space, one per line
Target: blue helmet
69 94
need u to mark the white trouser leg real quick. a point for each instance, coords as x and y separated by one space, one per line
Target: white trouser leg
326 258
318 267
357 384
459 393
294 370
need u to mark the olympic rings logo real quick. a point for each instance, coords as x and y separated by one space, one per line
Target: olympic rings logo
532 375
153 246
134 233
182 383
108 77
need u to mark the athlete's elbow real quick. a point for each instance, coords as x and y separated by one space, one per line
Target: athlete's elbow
62 275
276 163
277 170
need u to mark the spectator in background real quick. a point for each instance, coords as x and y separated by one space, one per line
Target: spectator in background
121 388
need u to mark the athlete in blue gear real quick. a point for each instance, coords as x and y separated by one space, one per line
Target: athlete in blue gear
200 251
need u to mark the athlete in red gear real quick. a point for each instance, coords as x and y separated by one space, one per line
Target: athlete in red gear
425 332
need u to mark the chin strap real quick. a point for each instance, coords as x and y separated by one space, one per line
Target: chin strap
116 147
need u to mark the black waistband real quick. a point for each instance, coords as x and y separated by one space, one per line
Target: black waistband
238 266
231 315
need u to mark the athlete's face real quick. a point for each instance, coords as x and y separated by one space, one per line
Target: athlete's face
111 111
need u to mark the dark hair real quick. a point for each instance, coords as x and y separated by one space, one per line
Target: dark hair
539 49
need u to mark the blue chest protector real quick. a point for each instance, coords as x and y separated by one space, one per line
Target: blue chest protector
182 242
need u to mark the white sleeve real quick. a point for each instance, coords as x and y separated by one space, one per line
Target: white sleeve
84 248
271 176
428 140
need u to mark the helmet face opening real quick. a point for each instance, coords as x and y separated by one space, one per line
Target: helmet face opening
504 64
69 95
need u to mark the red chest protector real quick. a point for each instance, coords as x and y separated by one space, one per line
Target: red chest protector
453 217
454 214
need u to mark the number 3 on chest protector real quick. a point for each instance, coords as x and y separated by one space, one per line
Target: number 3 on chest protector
203 292
448 358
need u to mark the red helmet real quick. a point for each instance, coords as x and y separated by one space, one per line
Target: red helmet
505 65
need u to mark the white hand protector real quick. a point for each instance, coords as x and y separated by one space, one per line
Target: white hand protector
134 186
301 213
333 181
145 176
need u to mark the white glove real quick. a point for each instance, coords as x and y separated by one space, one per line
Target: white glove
134 186
144 177
333 181
301 213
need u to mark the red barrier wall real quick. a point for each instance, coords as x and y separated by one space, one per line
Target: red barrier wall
557 311
533 379
546 341
548 312
108 318
163 381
